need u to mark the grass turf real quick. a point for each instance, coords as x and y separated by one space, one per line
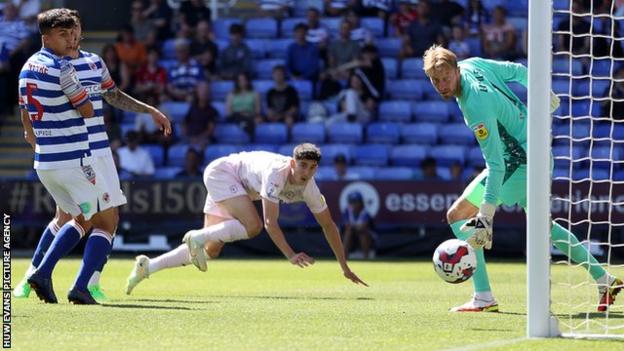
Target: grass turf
272 305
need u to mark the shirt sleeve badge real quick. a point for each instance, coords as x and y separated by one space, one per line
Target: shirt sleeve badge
481 131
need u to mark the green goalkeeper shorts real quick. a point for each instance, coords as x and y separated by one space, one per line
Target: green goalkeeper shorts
512 192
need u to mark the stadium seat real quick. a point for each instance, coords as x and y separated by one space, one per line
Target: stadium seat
394 173
304 88
404 89
601 68
271 133
562 156
412 68
456 134
126 127
521 24
332 24
375 25
176 155
264 68
220 107
156 152
220 89
420 133
395 111
262 86
474 44
166 172
391 67
258 47
308 132
371 155
286 149
446 155
325 173
619 175
261 28
408 155
221 27
168 50
429 92
595 174
431 111
383 133
229 133
563 66
177 110
363 172
330 151
475 157
389 47
491 4
599 88
348 133
288 26
456 114
216 151
561 86
278 48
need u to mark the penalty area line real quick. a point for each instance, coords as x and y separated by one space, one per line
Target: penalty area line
487 345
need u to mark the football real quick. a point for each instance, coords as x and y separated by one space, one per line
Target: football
455 261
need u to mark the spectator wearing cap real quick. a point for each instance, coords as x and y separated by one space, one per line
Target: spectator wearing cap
342 170
236 57
185 75
135 159
357 224
303 57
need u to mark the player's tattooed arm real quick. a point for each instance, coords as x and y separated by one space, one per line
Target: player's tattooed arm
123 101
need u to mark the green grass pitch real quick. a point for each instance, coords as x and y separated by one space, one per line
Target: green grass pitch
272 305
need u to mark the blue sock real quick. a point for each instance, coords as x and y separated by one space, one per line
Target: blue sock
100 268
65 240
44 243
97 248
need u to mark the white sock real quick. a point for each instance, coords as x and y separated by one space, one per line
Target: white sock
604 280
95 279
175 258
484 296
226 232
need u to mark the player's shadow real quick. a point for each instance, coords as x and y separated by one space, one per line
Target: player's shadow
150 307
266 297
173 301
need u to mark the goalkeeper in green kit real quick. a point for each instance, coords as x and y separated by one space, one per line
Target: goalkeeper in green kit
498 119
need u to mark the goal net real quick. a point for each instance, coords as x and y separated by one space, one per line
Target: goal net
588 146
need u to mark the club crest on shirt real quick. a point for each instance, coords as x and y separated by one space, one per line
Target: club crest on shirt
481 131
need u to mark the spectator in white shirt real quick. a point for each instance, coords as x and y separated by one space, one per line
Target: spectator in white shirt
134 159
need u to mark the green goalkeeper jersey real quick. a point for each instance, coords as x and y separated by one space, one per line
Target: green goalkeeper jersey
497 117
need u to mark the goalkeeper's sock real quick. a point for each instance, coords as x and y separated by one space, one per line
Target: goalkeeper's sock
65 240
177 257
567 242
97 248
44 243
480 279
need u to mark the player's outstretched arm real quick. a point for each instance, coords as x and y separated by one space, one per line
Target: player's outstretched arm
271 214
123 101
332 235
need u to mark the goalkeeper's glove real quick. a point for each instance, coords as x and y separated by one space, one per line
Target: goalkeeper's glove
69 80
554 102
481 225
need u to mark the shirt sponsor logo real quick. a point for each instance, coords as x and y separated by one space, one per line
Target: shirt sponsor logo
481 131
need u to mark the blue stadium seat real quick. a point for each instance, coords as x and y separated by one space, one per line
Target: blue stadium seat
599 88
304 88
371 155
258 47
389 47
278 48
395 111
408 155
431 111
156 152
561 86
262 86
420 133
618 132
125 128
220 89
264 68
271 133
261 28
177 154
168 50
286 149
456 134
332 24
374 24
216 151
456 114
474 44
221 27
601 131
177 110
363 172
607 153
391 67
329 151
166 172
561 4
412 68
348 133
325 173
602 68
229 133
584 174
446 155
308 132
563 66
475 157
520 23
129 117
429 92
222 44
491 4
394 173
404 89
167 64
287 29
619 175
562 156
384 133
220 107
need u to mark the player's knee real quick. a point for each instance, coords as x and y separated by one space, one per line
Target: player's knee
253 228
60 218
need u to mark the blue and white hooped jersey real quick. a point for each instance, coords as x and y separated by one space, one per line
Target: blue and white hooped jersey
60 131
96 79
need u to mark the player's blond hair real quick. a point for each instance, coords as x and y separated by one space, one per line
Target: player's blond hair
437 57
307 151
